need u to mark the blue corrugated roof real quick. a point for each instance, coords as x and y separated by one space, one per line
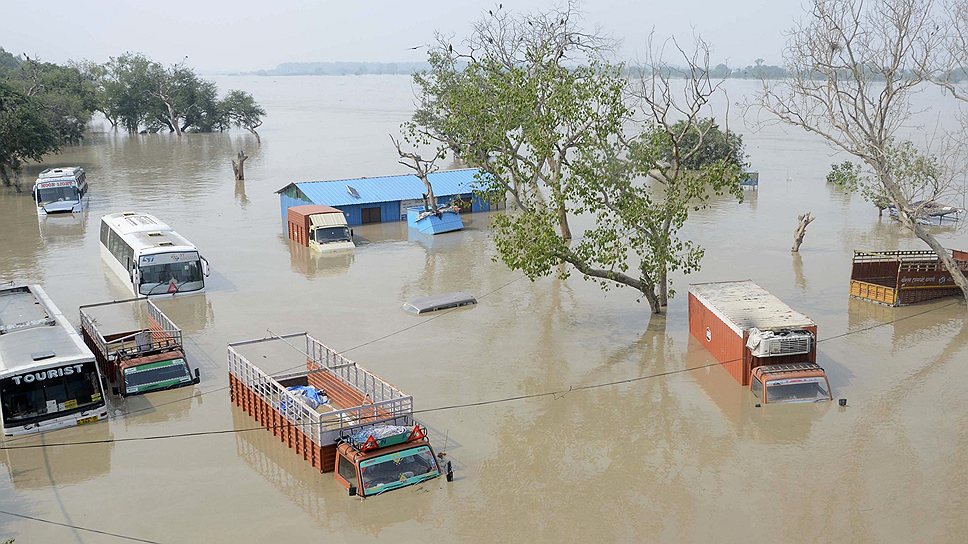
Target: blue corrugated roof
386 188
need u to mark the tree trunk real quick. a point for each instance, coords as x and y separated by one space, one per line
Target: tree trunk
902 206
258 140
801 231
563 221
238 167
431 199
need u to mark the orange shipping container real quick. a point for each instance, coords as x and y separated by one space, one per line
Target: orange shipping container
299 223
722 314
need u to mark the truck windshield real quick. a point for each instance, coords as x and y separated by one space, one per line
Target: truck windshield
54 194
398 469
797 390
155 376
156 278
41 395
332 234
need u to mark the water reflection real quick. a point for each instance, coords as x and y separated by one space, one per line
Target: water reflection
63 230
312 263
46 467
319 495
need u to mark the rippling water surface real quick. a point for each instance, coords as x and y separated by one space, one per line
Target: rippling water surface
681 457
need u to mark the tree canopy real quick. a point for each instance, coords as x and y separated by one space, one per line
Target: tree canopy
562 141
46 105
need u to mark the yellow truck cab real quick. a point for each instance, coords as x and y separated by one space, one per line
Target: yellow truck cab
790 382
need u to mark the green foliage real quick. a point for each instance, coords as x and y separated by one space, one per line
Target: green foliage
240 109
26 132
845 175
553 138
138 93
704 143
8 62
919 175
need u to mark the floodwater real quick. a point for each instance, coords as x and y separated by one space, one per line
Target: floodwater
684 456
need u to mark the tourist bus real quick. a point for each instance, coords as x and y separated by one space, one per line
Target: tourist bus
48 377
150 257
60 190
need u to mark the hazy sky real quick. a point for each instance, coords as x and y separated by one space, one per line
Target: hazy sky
220 35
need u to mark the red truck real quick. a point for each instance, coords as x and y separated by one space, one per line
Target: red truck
759 340
338 416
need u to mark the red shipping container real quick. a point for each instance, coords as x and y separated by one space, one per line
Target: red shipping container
721 315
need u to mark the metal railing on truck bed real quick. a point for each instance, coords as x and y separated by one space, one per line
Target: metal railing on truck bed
134 338
359 398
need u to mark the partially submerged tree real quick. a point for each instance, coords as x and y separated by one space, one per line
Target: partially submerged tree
853 68
25 133
422 168
553 138
240 109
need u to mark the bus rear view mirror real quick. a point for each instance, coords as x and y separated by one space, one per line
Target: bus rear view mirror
197 377
352 491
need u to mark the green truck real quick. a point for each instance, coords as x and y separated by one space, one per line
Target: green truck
138 349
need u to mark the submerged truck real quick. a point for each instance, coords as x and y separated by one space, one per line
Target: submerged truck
338 416
319 227
138 349
759 340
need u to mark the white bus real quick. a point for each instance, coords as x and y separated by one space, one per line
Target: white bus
60 190
149 256
48 377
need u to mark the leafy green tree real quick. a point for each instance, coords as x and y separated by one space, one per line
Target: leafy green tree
8 62
25 133
712 144
553 138
239 108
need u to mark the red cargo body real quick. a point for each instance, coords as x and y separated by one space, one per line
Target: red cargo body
721 315
299 222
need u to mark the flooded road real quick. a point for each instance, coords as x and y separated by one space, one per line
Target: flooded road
683 456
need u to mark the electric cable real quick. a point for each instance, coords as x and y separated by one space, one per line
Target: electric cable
555 394
79 528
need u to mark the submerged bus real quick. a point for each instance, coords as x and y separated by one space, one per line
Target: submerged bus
48 377
60 190
150 257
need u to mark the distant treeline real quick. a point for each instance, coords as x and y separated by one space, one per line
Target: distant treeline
758 70
343 68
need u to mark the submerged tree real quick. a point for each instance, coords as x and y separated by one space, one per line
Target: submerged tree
240 109
853 68
25 133
554 139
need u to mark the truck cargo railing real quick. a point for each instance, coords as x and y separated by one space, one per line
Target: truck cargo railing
161 334
382 402
906 256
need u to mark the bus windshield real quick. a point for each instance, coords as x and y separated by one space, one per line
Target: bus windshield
332 234
45 394
155 376
398 469
157 279
55 194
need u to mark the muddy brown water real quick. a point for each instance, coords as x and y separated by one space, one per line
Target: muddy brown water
682 457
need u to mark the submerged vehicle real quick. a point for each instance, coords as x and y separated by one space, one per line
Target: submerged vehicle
319 227
790 382
748 329
338 416
48 377
137 347
60 190
150 257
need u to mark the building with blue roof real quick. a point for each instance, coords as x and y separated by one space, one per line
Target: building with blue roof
383 199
